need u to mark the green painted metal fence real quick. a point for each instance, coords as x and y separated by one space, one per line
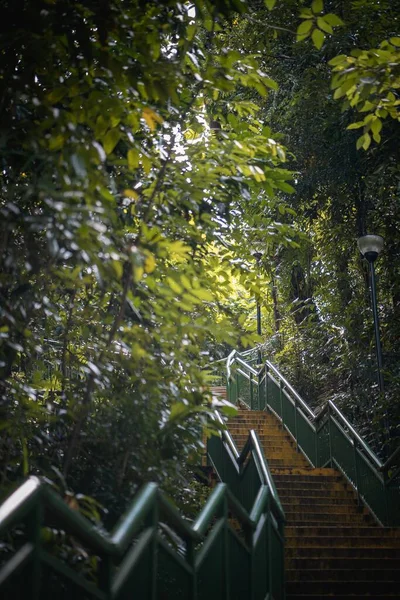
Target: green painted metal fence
326 438
234 549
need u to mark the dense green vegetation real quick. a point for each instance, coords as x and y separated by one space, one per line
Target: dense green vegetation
148 150
347 182
118 197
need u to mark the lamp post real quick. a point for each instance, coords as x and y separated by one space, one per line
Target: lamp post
370 247
258 256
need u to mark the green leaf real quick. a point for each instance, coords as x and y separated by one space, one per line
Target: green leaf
367 141
333 20
318 38
303 30
133 158
367 106
364 141
229 410
203 294
177 410
356 125
395 41
110 140
322 24
337 60
270 4
174 285
306 14
285 187
317 6
377 137
270 83
376 126
146 164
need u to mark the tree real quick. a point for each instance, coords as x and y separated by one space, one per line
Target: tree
117 193
344 188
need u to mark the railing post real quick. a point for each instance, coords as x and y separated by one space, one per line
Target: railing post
249 539
330 435
237 388
227 594
269 536
316 446
190 556
356 471
295 424
34 526
104 574
281 400
152 521
251 394
266 385
260 391
385 495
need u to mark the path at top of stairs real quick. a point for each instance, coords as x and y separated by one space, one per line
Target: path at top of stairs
333 547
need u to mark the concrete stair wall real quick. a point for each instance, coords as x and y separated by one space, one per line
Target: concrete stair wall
333 547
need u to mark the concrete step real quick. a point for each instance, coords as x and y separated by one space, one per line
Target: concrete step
333 548
363 553
365 534
379 595
281 462
331 587
305 494
316 508
303 502
351 574
320 519
359 563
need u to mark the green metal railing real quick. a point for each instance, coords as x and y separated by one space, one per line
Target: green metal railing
233 550
250 480
326 438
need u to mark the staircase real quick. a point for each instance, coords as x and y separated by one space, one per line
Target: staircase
334 548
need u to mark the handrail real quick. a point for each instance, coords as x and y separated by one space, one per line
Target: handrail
229 362
247 366
266 472
17 504
262 515
246 375
356 436
292 390
228 438
381 466
390 460
121 550
315 439
253 445
209 510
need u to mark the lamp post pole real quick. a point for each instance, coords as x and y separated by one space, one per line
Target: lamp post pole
376 328
370 247
257 256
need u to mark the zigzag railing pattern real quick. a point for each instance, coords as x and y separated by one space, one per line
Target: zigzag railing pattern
233 550
326 438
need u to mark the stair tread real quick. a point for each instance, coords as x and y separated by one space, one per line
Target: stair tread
334 547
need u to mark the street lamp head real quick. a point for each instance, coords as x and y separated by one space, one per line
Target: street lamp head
370 246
